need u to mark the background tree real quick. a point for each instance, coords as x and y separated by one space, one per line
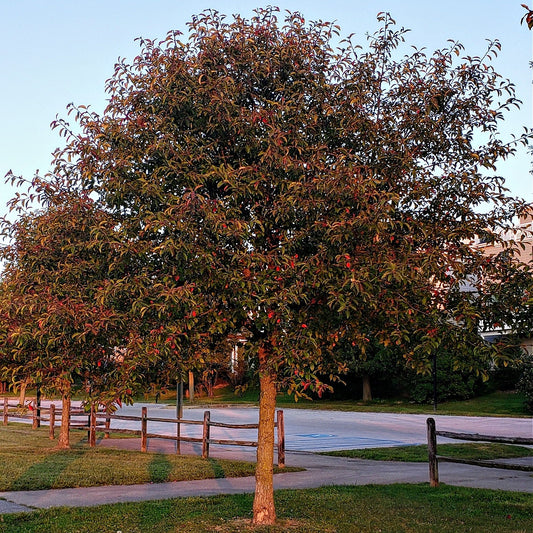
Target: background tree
60 331
299 195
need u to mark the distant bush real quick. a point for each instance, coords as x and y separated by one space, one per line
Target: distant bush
451 383
525 383
505 377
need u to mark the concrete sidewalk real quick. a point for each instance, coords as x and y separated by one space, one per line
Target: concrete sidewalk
320 471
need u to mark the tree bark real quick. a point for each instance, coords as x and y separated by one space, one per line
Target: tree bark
264 512
64 431
367 389
22 392
191 386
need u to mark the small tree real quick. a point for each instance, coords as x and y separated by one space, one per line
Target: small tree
59 331
299 195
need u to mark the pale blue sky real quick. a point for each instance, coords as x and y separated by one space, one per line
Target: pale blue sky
59 51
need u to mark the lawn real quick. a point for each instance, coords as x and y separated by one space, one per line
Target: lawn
500 403
388 509
30 461
419 454
494 404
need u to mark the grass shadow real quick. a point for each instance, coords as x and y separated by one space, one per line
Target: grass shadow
218 471
43 474
159 468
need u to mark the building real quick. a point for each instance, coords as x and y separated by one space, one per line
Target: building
522 235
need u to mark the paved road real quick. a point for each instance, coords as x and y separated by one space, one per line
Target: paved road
312 430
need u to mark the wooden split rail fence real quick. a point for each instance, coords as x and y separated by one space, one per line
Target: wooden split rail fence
434 458
96 421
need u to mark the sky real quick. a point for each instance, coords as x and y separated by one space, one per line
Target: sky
59 51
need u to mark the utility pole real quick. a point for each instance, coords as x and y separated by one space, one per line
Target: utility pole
435 381
179 399
179 413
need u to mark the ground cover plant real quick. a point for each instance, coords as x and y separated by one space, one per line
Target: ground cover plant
30 461
392 508
419 454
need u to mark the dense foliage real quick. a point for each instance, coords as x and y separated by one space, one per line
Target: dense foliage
59 330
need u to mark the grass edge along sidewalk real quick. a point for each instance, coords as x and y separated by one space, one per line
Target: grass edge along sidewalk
31 462
348 509
419 453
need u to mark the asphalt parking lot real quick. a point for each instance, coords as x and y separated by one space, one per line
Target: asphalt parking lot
313 430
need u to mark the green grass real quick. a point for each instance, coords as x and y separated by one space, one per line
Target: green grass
419 454
494 404
389 509
30 461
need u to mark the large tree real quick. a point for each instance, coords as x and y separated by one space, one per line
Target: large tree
297 194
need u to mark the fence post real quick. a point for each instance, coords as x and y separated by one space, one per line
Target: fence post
6 411
52 420
179 414
205 437
34 420
178 437
144 427
432 453
281 439
107 422
92 427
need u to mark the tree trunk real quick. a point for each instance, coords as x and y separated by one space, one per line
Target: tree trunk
64 431
191 386
264 512
367 389
22 393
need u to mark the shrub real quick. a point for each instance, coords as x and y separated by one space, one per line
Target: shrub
451 383
525 383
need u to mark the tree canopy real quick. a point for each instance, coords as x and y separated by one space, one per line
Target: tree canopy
60 333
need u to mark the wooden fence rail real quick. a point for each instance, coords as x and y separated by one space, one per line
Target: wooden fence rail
96 421
434 458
